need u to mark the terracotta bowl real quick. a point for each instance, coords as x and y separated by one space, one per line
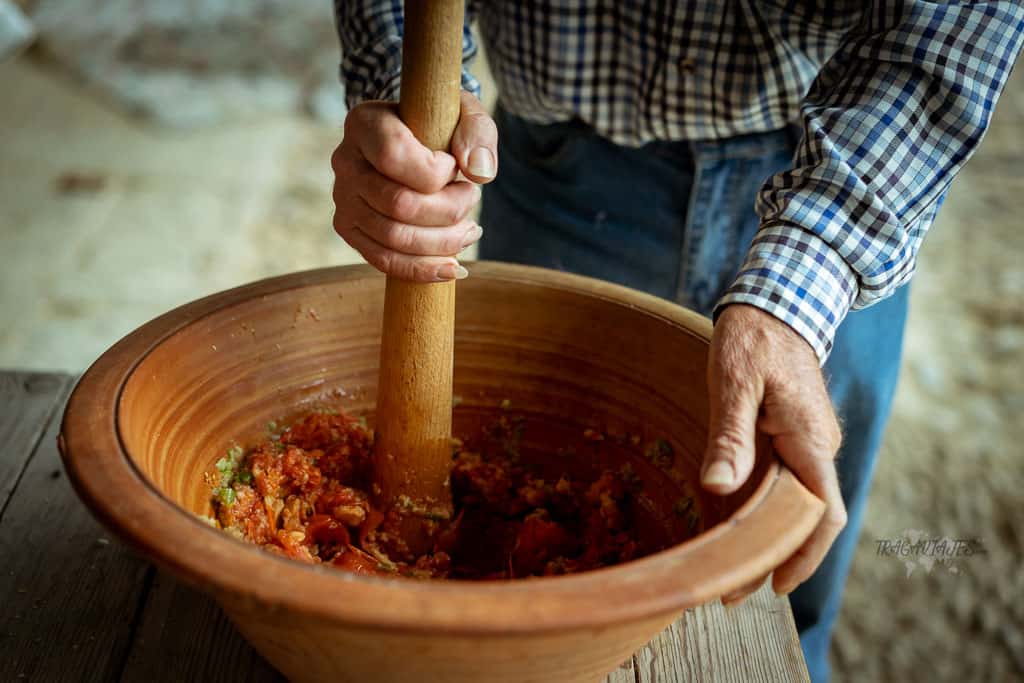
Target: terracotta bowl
568 353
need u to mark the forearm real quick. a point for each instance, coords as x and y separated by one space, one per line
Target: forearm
889 122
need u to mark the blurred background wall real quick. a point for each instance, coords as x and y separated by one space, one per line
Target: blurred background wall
153 152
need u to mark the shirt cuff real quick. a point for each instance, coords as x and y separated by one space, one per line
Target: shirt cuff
470 84
390 88
797 277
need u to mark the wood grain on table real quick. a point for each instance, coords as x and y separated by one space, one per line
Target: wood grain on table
79 606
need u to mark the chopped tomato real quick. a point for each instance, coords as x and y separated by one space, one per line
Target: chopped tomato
358 562
305 493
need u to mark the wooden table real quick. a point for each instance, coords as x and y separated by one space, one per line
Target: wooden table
76 605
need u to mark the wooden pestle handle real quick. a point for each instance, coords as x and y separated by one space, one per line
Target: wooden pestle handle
414 392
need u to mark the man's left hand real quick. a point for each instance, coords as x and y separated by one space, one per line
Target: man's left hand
762 376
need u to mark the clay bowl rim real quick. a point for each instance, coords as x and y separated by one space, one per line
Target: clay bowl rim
768 527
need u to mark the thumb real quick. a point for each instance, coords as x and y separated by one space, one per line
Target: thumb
475 141
729 457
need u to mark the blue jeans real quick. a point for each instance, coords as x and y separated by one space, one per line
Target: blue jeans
675 219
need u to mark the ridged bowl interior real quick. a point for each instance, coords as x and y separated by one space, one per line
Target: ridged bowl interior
560 359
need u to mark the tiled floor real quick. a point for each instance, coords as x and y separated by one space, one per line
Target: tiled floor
106 222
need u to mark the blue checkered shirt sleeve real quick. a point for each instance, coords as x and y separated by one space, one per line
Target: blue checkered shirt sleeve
889 121
370 32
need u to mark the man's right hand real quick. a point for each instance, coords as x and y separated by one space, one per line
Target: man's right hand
403 206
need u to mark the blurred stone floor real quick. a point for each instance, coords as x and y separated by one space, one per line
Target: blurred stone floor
106 222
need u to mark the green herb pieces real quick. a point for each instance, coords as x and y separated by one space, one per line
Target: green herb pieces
226 495
684 508
661 454
435 514
228 466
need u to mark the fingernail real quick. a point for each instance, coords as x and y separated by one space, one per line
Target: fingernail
450 271
719 473
472 235
481 163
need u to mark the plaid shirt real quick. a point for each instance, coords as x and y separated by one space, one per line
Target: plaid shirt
893 98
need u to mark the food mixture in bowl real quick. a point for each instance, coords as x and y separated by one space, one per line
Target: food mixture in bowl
307 492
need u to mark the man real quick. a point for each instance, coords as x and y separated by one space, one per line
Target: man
637 140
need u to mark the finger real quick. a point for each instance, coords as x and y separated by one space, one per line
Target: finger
402 266
475 141
734 406
412 239
739 596
439 209
817 471
806 437
394 151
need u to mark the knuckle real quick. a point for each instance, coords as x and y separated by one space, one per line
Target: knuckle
402 204
391 155
337 158
836 437
440 171
453 212
359 117
343 220
452 243
339 225
837 519
826 444
401 237
481 122
421 271
384 261
728 441
351 122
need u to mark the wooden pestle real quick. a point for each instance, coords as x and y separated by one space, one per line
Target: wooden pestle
414 391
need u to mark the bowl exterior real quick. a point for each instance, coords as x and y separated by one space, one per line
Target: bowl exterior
311 651
318 624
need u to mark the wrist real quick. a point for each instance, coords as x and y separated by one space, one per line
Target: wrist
759 326
796 277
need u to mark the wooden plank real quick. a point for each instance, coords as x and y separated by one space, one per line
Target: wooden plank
27 403
69 594
624 674
184 636
756 641
662 659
